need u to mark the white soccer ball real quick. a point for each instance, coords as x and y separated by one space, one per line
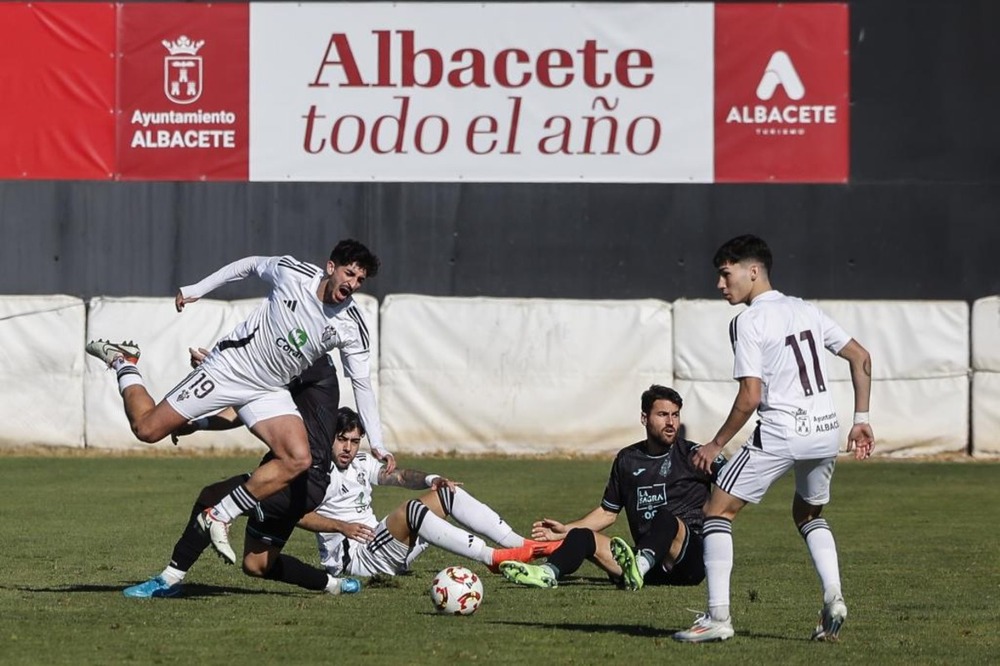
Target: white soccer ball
456 591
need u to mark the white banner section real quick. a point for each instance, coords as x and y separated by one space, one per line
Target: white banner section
164 337
920 392
511 376
986 376
41 369
550 92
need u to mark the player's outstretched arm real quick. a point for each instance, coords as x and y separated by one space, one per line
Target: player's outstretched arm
412 479
237 270
744 405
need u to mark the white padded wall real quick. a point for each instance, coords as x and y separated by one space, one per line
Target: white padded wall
41 369
920 358
519 376
986 376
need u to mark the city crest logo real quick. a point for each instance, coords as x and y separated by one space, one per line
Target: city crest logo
182 70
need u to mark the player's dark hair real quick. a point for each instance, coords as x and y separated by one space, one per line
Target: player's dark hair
657 392
347 420
350 251
741 248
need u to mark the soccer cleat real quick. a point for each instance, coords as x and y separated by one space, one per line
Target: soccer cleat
154 588
524 553
218 534
831 619
346 586
108 351
625 558
531 575
706 630
543 548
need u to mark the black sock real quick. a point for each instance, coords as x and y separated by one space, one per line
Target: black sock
296 572
578 545
193 541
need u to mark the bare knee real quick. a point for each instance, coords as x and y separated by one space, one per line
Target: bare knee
803 512
257 567
295 464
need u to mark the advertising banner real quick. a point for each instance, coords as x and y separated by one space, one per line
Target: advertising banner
481 92
184 89
782 93
57 64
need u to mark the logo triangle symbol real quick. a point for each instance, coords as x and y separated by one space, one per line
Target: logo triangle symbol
780 72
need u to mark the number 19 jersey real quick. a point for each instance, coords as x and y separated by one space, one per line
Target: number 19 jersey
780 339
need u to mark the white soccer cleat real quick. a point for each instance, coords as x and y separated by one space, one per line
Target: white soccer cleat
706 630
218 534
108 351
831 619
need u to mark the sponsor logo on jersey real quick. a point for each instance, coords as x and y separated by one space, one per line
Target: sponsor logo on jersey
293 342
639 471
650 497
802 426
291 305
826 423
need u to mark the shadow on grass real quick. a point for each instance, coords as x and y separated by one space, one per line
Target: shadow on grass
638 630
190 590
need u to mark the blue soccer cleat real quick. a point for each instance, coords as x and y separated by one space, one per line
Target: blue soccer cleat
153 588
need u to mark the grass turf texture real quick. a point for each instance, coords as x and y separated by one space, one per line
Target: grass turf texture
919 553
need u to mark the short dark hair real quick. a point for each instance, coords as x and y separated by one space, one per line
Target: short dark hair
657 392
741 248
347 420
350 251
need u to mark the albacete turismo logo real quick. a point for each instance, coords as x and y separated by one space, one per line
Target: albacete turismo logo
774 119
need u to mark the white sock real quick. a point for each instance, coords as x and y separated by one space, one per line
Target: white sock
332 584
644 561
718 565
823 550
127 373
479 518
235 504
172 575
443 534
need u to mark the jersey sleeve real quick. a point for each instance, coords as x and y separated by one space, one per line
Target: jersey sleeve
355 353
834 337
612 500
748 352
373 467
233 272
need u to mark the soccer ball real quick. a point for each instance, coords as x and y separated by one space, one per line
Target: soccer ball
456 591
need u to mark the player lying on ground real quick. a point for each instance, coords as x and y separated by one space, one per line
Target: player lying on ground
309 312
316 394
353 542
662 494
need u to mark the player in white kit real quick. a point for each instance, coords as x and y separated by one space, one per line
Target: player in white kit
309 312
778 343
352 541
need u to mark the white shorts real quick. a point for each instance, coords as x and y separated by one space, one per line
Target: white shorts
202 393
751 472
382 555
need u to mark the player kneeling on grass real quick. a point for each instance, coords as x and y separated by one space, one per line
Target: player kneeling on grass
662 493
353 542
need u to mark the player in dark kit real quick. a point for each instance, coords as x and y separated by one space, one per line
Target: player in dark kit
662 493
316 394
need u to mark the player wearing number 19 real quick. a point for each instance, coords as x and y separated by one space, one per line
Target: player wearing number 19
309 312
777 343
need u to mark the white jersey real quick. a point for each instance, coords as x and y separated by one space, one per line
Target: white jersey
780 339
348 498
289 331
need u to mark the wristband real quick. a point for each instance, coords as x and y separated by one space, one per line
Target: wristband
429 479
860 417
200 424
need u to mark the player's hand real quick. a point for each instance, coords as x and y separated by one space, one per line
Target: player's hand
358 532
197 355
387 458
548 529
185 429
861 441
705 455
180 301
440 482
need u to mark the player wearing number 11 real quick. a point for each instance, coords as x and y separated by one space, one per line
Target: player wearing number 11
777 343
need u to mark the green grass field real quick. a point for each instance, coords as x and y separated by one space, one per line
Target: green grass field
920 560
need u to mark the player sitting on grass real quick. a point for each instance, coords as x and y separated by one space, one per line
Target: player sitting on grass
662 494
353 542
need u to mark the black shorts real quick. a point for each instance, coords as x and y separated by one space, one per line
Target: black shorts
688 570
276 516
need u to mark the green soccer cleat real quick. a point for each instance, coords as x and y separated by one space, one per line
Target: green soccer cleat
625 558
530 575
